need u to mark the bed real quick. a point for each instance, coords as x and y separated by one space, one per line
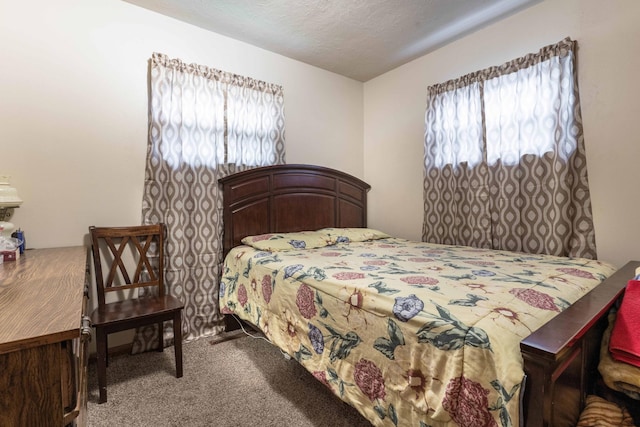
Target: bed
394 327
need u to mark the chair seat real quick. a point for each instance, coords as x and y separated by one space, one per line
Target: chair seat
123 311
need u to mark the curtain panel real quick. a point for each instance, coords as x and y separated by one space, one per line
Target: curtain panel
203 125
505 164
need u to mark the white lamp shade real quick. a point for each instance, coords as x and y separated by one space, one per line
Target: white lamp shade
8 195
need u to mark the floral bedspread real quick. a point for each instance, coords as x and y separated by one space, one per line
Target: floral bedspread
409 333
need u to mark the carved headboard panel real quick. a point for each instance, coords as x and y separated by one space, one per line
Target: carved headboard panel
287 198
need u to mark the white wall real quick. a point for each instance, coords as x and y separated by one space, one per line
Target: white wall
73 108
608 38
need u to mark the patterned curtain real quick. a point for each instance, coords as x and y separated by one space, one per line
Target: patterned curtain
203 125
505 164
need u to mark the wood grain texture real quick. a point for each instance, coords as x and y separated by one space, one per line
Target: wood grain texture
42 303
20 397
41 297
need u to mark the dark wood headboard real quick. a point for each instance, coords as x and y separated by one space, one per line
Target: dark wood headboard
288 198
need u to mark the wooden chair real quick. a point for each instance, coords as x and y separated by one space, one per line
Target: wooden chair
127 259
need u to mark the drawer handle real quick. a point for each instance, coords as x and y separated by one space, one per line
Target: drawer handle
85 328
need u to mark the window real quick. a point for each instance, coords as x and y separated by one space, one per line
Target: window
207 117
520 113
504 164
203 125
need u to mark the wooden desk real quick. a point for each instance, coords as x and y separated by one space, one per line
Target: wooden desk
44 337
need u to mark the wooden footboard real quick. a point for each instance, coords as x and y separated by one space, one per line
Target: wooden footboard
561 358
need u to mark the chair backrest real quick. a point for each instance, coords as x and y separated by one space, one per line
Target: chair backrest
128 258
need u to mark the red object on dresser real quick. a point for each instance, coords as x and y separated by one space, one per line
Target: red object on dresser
10 255
625 336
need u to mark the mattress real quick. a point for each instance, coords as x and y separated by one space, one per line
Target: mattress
409 333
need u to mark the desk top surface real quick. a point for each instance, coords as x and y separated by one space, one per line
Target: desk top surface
41 297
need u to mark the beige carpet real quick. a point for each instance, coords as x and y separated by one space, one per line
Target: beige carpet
241 382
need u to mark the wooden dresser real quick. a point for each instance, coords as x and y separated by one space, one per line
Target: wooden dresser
44 335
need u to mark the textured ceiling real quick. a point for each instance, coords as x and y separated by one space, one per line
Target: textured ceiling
360 39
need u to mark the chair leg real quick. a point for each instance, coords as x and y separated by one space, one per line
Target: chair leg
160 336
101 349
177 342
106 345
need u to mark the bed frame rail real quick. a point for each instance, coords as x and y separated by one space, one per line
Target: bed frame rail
561 358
